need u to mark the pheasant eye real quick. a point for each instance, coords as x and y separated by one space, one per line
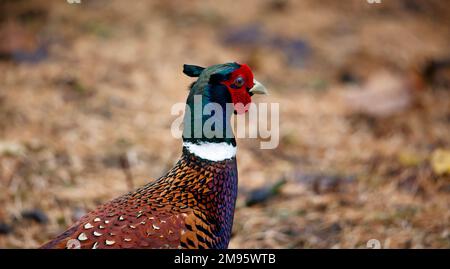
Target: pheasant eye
239 82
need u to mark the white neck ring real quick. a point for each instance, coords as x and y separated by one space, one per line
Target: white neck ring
211 151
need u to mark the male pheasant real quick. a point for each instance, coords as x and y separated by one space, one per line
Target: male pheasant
192 206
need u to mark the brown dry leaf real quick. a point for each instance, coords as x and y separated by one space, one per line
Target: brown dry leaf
16 38
384 94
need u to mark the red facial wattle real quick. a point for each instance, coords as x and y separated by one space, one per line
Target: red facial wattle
239 95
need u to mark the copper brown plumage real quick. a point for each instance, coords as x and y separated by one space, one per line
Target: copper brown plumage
192 206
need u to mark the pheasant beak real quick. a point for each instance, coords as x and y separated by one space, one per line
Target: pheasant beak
258 88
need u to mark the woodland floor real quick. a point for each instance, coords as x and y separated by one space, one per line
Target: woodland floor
93 87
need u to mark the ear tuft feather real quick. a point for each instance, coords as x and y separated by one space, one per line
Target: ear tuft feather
192 70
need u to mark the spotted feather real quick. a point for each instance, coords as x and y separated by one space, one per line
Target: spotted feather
191 207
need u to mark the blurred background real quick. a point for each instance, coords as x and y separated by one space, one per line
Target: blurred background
86 91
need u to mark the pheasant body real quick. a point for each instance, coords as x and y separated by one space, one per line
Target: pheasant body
191 207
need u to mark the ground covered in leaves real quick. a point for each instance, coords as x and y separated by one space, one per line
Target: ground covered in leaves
86 92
